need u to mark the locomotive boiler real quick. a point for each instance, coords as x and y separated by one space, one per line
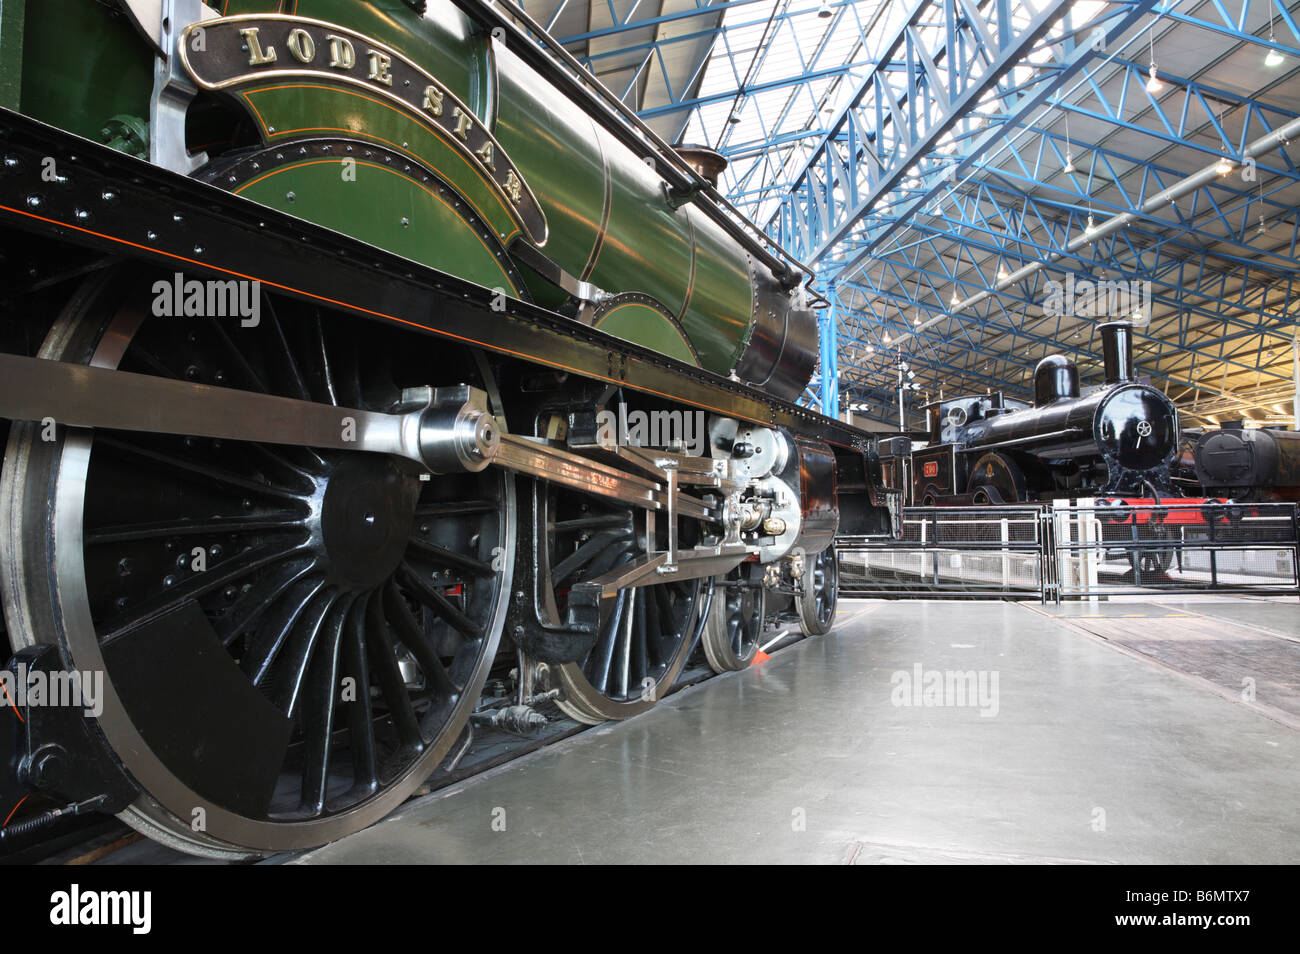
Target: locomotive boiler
1117 440
315 311
1248 464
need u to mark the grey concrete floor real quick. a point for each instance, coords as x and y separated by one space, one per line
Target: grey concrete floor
1089 755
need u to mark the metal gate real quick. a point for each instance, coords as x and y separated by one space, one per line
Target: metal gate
1079 550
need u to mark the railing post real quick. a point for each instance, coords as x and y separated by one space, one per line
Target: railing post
1214 563
1006 539
1295 539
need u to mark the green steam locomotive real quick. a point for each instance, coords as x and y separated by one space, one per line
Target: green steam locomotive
370 374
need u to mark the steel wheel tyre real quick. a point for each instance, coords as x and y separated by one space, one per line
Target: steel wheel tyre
820 598
735 624
320 568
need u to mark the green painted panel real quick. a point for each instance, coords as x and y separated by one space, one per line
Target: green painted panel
553 143
646 248
297 108
11 51
721 306
643 325
372 209
78 86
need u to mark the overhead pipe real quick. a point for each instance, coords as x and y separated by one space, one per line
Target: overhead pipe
1276 138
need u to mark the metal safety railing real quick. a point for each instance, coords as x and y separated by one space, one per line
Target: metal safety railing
950 551
1187 548
1079 550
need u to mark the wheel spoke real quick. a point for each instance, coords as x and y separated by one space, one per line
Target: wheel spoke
303 640
361 728
275 628
430 596
322 694
391 683
327 372
297 386
151 362
585 554
417 641
450 559
455 508
206 472
652 622
248 607
635 622
246 371
606 641
252 523
590 523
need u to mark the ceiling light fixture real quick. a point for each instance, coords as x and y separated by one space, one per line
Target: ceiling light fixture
1068 168
1274 57
1223 166
1154 85
824 11
1003 274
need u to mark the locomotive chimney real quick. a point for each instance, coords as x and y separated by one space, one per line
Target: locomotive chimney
1117 350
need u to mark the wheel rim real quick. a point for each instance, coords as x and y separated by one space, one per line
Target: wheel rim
825 577
735 627
646 632
820 596
319 568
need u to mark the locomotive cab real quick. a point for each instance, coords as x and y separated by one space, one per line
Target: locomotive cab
948 418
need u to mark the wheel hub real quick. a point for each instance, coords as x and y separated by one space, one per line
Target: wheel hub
366 516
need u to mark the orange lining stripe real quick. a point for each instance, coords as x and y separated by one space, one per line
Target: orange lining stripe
581 372
372 165
12 706
16 807
432 127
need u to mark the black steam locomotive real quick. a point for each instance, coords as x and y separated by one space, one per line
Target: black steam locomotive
1118 440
